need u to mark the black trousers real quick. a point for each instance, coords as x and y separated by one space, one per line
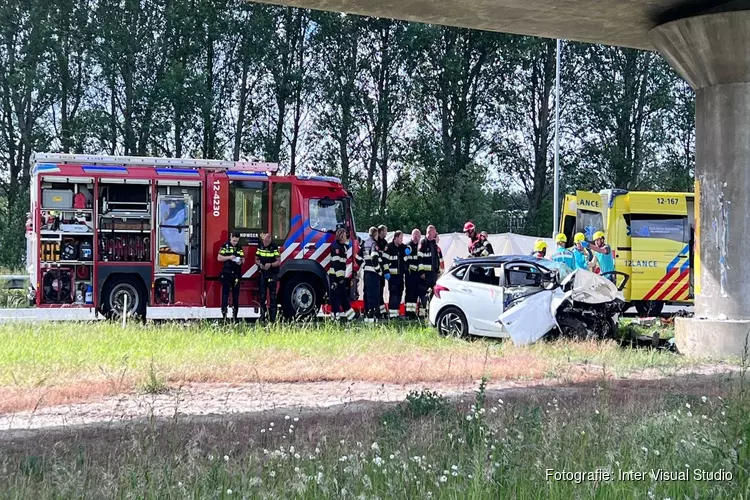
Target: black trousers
372 291
381 300
230 282
340 297
416 292
268 293
395 291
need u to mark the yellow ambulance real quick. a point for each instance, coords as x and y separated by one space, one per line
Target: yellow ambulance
653 238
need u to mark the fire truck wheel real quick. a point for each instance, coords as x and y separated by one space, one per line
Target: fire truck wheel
115 293
300 297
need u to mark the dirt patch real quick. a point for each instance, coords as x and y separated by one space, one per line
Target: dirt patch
225 400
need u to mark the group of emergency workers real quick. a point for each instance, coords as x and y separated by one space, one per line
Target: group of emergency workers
409 270
596 256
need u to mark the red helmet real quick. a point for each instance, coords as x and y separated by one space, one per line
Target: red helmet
469 226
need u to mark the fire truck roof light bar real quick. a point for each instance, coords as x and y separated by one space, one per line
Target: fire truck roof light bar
141 161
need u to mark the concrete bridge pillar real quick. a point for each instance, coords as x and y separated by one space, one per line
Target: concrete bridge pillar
712 52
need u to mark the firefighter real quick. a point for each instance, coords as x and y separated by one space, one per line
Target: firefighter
581 255
483 248
395 253
413 281
562 254
382 244
441 269
359 258
337 278
233 257
540 249
604 257
470 230
373 275
268 259
429 262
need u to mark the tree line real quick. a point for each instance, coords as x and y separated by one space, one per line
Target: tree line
424 124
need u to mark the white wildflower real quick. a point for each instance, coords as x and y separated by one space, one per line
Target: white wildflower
377 461
271 424
468 417
179 484
454 473
392 456
704 398
226 458
262 431
287 417
689 414
687 405
656 452
443 479
229 492
645 450
375 447
500 401
317 450
210 457
454 467
272 473
296 469
343 459
596 411
295 419
296 455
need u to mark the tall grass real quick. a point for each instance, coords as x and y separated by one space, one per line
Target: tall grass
424 448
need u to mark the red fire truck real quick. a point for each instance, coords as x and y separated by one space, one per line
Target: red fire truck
137 234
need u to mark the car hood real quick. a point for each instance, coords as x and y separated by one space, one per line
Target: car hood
590 288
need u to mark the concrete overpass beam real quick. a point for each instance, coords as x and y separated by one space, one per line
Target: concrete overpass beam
712 52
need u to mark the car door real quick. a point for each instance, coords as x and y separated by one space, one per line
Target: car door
483 298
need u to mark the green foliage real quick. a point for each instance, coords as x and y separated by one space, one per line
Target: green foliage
425 124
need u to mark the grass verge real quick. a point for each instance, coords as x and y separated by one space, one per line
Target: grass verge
67 362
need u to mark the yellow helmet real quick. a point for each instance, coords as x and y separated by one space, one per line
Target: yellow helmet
579 238
561 238
539 245
598 234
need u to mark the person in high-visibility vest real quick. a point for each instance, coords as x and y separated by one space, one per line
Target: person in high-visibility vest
581 255
604 256
562 254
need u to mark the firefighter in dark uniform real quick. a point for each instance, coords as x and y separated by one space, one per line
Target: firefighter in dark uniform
382 244
337 279
359 258
373 275
268 260
413 280
395 253
429 261
233 257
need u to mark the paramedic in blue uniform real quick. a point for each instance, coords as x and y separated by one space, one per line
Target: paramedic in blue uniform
562 254
604 256
581 255
233 257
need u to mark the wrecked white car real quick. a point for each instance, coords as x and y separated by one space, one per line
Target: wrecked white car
524 298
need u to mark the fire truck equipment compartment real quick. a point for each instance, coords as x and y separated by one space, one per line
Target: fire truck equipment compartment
57 198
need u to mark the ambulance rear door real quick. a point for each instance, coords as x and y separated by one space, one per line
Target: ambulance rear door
660 242
568 218
589 214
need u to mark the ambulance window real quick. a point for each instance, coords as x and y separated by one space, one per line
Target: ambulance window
588 222
248 206
281 211
669 227
327 215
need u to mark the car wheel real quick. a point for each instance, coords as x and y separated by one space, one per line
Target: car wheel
646 308
451 322
572 328
609 328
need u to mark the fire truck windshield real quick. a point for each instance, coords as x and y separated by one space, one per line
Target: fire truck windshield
327 215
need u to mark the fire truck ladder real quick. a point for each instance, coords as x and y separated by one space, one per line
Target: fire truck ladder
146 161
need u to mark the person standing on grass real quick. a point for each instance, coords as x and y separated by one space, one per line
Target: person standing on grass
232 255
382 244
429 262
413 282
268 259
372 276
395 253
337 278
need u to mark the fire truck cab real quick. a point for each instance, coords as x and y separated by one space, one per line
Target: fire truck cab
141 235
